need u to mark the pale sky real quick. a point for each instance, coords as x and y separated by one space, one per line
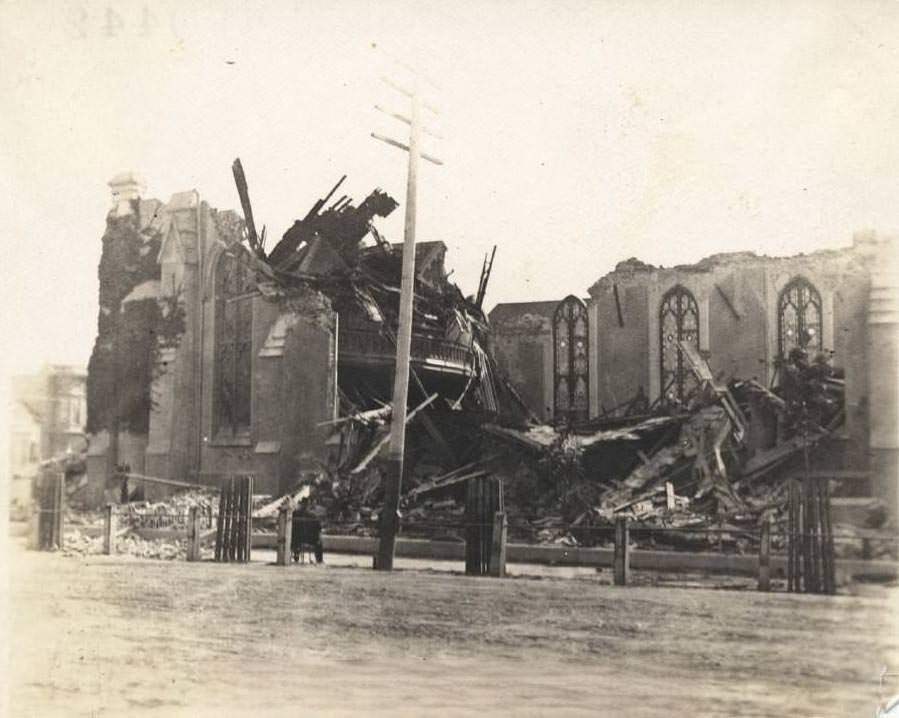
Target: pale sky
576 134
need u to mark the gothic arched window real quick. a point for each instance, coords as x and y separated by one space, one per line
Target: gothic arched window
571 366
234 288
799 317
678 321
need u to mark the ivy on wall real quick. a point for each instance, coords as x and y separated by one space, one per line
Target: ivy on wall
130 335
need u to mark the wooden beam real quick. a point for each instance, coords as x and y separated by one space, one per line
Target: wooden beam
622 551
243 192
733 309
618 305
166 482
497 565
765 556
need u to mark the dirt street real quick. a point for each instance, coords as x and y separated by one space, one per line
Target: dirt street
116 636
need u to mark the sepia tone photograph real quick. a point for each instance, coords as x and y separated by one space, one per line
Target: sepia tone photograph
475 358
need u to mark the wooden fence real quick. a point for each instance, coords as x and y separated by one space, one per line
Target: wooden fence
485 527
810 550
234 529
50 501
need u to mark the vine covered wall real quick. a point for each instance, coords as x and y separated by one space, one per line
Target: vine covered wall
130 335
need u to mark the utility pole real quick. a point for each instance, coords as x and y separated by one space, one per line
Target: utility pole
389 518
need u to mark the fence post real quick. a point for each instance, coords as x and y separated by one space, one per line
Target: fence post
109 530
765 555
248 519
622 551
498 547
34 536
59 507
193 534
285 534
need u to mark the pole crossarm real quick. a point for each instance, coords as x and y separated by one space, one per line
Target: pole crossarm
397 143
408 93
408 121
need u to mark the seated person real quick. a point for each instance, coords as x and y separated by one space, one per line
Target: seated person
307 531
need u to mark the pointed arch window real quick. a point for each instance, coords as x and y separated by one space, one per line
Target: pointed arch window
571 374
799 317
234 286
678 321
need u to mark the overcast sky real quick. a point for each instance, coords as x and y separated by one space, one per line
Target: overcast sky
575 134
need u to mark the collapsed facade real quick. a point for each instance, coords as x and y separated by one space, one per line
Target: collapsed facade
616 352
214 357
661 395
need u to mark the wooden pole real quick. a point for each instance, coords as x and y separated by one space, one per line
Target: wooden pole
34 527
248 519
389 518
193 534
59 507
285 533
239 524
109 530
791 536
471 529
498 549
765 555
227 508
220 526
622 551
827 549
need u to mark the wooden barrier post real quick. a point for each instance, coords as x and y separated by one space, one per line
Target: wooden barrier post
498 547
622 551
765 555
59 508
109 530
34 518
193 534
285 534
248 518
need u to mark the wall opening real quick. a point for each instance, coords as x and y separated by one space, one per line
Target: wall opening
678 321
571 379
232 383
799 324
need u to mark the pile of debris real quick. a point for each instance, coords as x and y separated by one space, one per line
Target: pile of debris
335 257
712 461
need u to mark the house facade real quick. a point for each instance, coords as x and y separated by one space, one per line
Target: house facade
48 416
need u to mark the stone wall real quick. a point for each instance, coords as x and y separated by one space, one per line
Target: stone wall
737 298
293 366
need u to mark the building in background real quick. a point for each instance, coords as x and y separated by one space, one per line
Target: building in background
48 416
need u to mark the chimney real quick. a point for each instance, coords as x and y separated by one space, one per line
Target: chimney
126 187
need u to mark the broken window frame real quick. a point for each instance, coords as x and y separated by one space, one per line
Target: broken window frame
803 298
677 381
233 358
571 371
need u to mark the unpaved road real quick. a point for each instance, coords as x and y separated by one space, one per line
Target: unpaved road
116 636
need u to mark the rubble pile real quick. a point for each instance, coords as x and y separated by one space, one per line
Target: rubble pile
78 543
698 467
335 258
715 460
170 513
